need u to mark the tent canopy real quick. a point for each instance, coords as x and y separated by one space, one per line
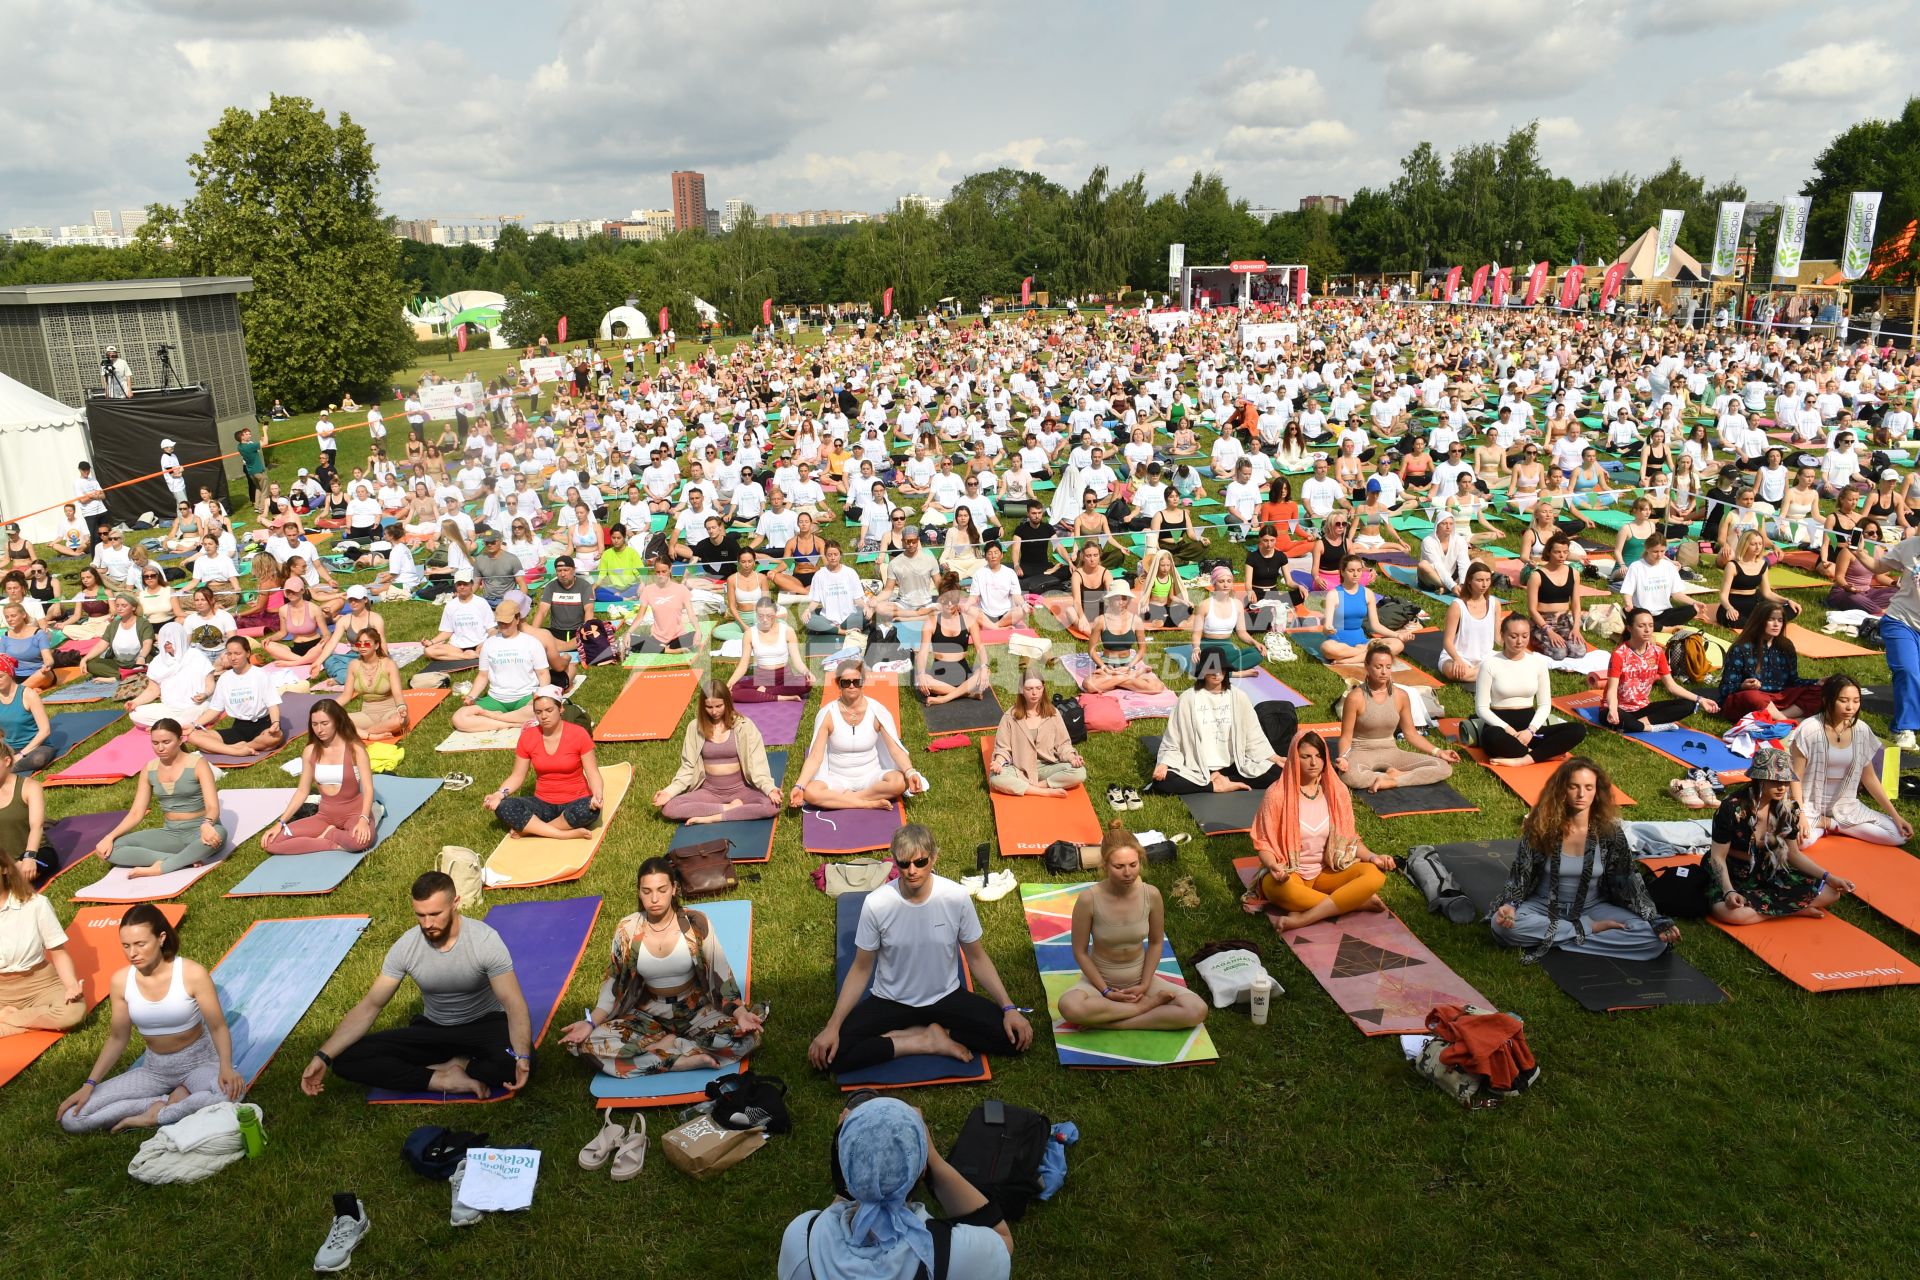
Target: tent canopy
41 443
631 317
1639 259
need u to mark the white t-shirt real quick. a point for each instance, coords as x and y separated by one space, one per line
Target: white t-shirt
1321 496
918 942
466 622
244 695
1651 586
836 591
996 590
514 665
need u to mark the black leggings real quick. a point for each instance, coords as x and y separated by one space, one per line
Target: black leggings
1667 711
1739 608
969 1017
403 1057
1675 616
1175 785
1549 740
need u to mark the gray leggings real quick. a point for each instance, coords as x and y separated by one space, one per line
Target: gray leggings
148 1081
173 846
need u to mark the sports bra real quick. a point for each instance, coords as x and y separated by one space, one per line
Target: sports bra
664 973
171 1014
1555 593
1216 628
948 646
379 687
310 625
1744 583
768 654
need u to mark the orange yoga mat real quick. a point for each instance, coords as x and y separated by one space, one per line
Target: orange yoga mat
1884 877
93 942
1528 781
1823 954
1026 825
649 708
1817 644
420 704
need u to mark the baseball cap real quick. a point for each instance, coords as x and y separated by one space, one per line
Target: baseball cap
357 592
1889 474
463 575
506 611
491 535
166 444
302 471
563 562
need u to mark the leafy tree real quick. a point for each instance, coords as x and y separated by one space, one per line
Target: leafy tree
287 198
1874 155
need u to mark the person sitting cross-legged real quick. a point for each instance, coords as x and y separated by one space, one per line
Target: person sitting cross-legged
1118 927
1312 863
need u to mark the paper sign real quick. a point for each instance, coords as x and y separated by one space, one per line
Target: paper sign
499 1178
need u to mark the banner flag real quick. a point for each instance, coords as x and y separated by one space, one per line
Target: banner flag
563 328
1176 260
1726 236
1610 283
886 302
1502 281
1026 291
1479 285
1793 237
1570 286
663 322
1663 243
1536 282
766 311
460 336
1300 284
1453 283
1862 213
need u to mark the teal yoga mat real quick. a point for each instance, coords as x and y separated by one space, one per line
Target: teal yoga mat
295 875
272 976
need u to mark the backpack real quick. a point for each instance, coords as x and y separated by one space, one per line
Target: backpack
597 647
1691 657
435 1151
747 1100
1073 714
1395 613
574 713
1436 883
1678 892
1279 721
463 864
999 1151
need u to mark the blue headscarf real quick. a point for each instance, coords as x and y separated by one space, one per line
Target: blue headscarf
883 1152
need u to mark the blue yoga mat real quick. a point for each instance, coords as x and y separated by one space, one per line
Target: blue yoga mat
733 930
752 841
80 691
272 977
311 873
919 1068
546 941
71 728
1694 748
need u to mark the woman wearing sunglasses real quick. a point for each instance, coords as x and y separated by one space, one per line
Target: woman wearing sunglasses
856 760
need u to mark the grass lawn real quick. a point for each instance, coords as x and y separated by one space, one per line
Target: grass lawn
1775 1133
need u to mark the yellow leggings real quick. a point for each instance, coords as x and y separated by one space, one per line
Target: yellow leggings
1349 889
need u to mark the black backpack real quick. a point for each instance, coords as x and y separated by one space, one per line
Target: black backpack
1075 716
596 643
1679 893
737 1097
999 1151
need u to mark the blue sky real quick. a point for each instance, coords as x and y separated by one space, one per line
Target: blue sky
581 110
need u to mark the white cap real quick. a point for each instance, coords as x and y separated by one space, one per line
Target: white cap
303 471
357 592
166 444
463 575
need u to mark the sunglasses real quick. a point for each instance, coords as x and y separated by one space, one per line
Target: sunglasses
918 864
852 684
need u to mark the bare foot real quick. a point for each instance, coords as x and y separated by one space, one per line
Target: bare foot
945 1045
1515 762
694 1062
453 1078
1223 784
1293 920
1604 926
877 803
1156 996
1373 904
141 873
148 1119
1811 913
1045 791
941 699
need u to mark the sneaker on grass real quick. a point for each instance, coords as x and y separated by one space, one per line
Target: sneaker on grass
350 1225
462 1215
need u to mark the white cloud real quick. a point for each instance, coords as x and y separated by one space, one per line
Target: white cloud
1830 71
1452 53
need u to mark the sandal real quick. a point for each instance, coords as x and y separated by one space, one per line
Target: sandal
631 1155
457 781
601 1149
1683 790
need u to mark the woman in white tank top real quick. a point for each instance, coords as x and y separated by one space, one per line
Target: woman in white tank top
1472 628
771 668
856 760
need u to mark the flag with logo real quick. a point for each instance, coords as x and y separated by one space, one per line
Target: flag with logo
1726 236
766 311
1536 282
1663 243
886 302
1026 291
663 322
563 328
1793 237
1502 281
1610 283
1453 284
1479 285
1570 286
1856 255
1300 283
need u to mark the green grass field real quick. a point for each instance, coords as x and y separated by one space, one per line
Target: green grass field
1775 1133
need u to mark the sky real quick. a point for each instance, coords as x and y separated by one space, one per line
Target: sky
560 110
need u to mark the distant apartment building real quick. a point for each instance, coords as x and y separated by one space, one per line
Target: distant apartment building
1333 205
420 229
929 205
813 218
689 200
730 211
1265 214
131 220
568 229
103 221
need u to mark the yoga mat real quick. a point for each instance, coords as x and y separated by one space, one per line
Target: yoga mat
447 666
1528 780
523 862
1049 911
80 691
914 1069
73 839
1261 686
849 830
69 730
1480 869
244 813
1605 984
546 941
1885 878
294 710
93 944
270 978
1818 644
120 756
1373 967
1408 802
420 703
1785 578
322 872
751 841
1225 813
649 707
732 924
1427 648
1690 747
778 722
485 740
1404 672
1025 825
962 715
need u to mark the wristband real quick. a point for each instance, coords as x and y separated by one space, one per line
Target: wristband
520 1057
92 1083
1106 991
326 1059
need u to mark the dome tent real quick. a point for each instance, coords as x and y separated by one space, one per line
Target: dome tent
631 317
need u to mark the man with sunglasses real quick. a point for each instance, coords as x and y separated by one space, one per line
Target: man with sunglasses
911 935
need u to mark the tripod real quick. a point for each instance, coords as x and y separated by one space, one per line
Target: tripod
168 378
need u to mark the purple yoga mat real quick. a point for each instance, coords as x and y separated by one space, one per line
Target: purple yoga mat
72 839
1262 686
295 710
849 830
546 941
778 722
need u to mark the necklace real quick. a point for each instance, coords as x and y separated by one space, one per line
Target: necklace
1310 795
662 927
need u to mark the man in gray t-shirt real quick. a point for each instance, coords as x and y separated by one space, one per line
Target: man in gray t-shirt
565 602
499 571
473 1034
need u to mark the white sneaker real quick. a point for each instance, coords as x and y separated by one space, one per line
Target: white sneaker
973 885
1906 741
350 1225
998 886
462 1215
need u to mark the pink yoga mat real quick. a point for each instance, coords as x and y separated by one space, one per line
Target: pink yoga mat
849 830
244 813
118 757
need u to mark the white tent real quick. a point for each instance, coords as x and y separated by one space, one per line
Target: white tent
42 443
631 317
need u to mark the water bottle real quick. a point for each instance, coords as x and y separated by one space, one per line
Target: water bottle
1259 996
252 1136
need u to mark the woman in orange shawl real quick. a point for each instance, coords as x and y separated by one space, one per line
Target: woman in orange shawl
1313 866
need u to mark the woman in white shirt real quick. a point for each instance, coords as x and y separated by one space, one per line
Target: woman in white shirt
1468 637
1513 699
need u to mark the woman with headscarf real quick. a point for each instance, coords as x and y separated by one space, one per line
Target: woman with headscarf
873 1232
1312 864
176 673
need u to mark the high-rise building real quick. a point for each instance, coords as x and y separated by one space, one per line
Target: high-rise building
1326 204
930 205
421 229
730 211
689 200
131 220
103 221
713 222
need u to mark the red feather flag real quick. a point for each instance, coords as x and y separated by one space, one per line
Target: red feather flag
563 328
886 302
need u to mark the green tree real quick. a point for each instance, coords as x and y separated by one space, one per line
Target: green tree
1874 155
287 198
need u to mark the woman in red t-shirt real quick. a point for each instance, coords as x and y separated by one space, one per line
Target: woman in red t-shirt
567 790
1631 674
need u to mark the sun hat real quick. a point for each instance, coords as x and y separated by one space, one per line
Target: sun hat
1770 764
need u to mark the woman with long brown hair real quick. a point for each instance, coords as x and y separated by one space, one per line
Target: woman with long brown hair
334 768
1575 884
723 775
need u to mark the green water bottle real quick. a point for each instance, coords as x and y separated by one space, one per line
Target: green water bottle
252 1136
